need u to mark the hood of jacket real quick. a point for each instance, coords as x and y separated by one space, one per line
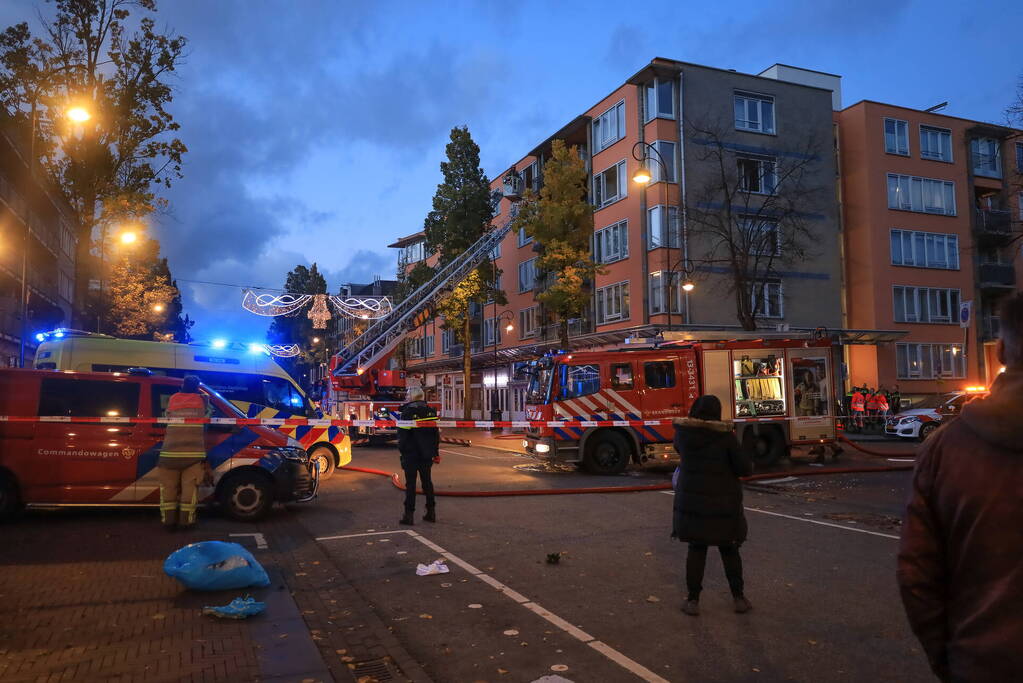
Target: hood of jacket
996 418
695 433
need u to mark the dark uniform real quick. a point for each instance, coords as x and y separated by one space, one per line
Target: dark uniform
418 447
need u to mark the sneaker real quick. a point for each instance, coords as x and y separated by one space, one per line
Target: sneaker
691 607
407 519
430 516
742 604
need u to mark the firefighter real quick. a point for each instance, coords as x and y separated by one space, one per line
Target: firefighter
857 404
182 464
419 448
872 405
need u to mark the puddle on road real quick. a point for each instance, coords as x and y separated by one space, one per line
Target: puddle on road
546 468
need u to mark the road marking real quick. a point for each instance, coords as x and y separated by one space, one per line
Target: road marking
901 459
810 521
259 538
609 652
467 455
776 481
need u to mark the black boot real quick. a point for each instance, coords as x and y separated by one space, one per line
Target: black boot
431 515
407 519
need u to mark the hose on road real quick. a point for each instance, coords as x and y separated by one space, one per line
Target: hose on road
869 451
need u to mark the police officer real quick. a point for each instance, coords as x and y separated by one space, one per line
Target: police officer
182 464
419 450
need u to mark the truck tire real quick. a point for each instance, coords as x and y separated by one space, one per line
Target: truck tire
246 496
766 447
607 453
928 429
325 458
10 501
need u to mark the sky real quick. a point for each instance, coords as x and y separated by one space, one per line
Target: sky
315 129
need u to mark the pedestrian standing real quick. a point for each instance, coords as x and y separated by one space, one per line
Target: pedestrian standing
182 467
708 498
960 565
857 403
419 449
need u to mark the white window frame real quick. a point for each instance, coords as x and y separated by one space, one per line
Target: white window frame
656 283
767 167
613 302
601 198
492 331
611 244
524 239
751 223
67 240
758 100
919 241
66 286
652 96
663 229
529 322
447 340
495 253
770 286
1019 157
897 125
944 137
921 300
911 193
994 158
534 168
415 252
654 162
913 358
613 120
527 267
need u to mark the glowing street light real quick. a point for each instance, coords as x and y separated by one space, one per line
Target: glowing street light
79 114
642 175
129 237
688 286
316 340
158 308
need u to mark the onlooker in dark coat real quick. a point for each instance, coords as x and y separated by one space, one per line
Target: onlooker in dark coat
960 564
708 498
419 448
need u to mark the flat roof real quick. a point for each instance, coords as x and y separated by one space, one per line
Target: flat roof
930 113
803 68
664 61
407 240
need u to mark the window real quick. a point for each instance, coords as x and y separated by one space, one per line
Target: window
929 361
612 243
66 286
1019 205
527 275
621 376
88 398
664 227
925 305
766 297
420 347
925 249
524 239
896 137
666 150
495 253
67 239
757 175
578 380
754 112
529 322
613 302
660 99
760 235
987 157
935 143
530 177
413 253
491 331
664 287
924 195
1019 157
610 185
447 341
659 374
609 127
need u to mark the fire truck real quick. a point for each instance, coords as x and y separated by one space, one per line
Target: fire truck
372 395
779 392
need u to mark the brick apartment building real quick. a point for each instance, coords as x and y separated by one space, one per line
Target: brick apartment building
651 238
28 206
929 202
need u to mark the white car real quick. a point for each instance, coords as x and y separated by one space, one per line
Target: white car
920 421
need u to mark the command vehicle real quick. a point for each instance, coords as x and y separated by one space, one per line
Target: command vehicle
924 418
779 392
243 374
60 462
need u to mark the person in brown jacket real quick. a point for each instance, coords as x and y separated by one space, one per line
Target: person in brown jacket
182 464
960 564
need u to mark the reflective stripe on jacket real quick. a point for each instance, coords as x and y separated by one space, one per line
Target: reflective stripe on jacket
857 401
184 444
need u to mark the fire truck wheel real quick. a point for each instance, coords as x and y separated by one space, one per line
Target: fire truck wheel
765 448
9 499
927 429
325 459
607 453
246 496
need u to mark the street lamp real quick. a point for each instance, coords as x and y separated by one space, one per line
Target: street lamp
78 114
509 327
158 308
129 237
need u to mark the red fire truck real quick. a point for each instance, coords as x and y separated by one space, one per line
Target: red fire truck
779 392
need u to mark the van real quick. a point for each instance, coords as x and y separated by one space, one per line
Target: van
63 456
243 374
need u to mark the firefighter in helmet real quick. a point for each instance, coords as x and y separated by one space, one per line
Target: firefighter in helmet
182 464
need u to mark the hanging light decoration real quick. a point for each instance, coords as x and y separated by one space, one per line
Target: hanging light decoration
319 313
366 309
283 350
271 305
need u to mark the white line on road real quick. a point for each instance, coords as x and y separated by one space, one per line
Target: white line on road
614 655
776 481
468 455
901 459
259 538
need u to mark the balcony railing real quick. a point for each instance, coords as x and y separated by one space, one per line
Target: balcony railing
993 221
997 275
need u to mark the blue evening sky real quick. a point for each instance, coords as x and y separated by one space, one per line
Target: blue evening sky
315 129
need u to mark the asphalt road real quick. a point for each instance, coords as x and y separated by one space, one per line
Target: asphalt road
819 571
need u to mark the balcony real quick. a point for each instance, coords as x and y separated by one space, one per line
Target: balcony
996 275
994 222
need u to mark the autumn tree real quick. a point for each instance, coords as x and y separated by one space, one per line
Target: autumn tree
95 55
461 215
138 300
560 221
297 328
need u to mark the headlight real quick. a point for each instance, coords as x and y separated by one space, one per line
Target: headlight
542 448
910 420
291 453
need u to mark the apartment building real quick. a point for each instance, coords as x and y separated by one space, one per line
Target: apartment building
929 203
734 158
31 210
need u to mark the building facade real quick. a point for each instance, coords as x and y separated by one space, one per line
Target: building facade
929 204
31 212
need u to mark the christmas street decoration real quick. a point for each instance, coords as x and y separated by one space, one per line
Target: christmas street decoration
283 350
271 305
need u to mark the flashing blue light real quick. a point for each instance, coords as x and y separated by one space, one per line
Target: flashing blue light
256 348
59 334
40 337
218 343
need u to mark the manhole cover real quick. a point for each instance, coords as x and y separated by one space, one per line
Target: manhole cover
374 670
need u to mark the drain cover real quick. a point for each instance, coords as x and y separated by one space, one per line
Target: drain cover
374 670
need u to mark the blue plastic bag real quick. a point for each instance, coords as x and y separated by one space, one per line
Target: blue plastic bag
215 566
239 608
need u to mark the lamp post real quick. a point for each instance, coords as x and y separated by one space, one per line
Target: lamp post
127 238
498 317
643 151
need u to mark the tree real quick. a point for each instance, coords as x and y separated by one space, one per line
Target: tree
560 220
461 214
174 327
749 216
1014 117
297 328
137 302
89 57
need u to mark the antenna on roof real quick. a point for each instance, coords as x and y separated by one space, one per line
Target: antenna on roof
936 108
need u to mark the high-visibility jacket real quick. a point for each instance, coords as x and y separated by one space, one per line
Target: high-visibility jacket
184 444
872 402
857 402
882 402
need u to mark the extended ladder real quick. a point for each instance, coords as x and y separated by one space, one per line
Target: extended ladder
380 339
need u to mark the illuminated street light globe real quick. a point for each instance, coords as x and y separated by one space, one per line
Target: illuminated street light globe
642 175
158 308
129 237
78 114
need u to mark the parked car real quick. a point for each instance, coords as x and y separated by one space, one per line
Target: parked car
924 417
63 462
